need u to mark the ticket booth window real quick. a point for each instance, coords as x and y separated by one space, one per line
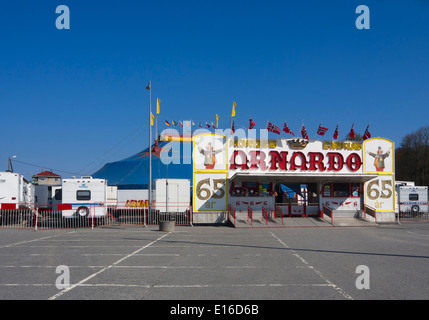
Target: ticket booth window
341 190
355 189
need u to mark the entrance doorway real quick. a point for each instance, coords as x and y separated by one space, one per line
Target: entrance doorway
297 200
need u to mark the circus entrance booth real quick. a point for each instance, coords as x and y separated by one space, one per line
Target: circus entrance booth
274 181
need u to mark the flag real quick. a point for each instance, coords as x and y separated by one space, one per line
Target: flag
157 105
180 123
304 133
251 124
174 122
207 125
213 125
233 109
167 123
148 86
273 128
366 135
193 123
321 130
287 130
335 136
151 118
352 132
232 128
200 124
217 121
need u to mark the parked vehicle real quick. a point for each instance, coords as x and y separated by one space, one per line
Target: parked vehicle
15 191
413 199
83 197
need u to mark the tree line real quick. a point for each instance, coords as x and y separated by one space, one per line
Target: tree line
412 158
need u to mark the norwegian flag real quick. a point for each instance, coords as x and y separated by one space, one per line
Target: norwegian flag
321 130
287 130
366 135
352 132
273 128
304 133
251 124
335 136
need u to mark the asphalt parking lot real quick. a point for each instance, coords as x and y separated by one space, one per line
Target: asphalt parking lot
216 263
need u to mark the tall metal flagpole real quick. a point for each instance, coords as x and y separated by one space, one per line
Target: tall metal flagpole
150 148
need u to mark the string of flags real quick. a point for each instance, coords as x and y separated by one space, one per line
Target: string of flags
321 130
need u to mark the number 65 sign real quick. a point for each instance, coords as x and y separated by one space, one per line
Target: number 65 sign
210 192
379 193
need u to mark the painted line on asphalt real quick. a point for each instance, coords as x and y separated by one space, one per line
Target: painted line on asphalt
59 294
329 282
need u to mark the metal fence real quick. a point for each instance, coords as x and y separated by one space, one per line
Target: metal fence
60 217
413 213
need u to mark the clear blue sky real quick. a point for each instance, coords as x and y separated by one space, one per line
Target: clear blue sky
72 100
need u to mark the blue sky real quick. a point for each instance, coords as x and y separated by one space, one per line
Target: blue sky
73 100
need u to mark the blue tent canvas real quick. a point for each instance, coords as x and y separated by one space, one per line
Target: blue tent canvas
133 172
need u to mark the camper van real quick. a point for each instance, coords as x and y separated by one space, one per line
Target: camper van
15 191
83 197
413 199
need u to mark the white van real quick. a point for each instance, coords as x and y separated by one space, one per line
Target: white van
83 197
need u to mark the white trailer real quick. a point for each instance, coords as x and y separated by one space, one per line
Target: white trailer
15 191
413 199
44 196
83 197
171 195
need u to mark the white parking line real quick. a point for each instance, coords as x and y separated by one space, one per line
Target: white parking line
59 294
28 241
330 283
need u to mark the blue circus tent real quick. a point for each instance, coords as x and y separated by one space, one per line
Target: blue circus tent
133 172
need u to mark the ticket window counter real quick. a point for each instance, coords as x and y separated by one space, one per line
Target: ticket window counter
342 196
253 194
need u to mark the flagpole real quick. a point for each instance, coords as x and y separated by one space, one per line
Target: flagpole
150 149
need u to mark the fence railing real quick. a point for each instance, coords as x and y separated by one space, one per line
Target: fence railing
413 212
232 214
370 211
250 215
278 212
265 215
90 216
329 212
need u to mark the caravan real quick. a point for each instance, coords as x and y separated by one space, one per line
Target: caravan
413 199
15 191
83 197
